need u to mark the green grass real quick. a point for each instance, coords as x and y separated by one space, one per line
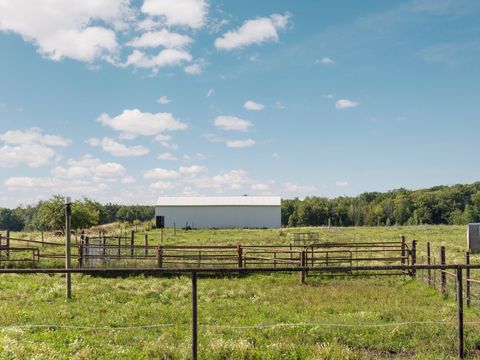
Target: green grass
231 306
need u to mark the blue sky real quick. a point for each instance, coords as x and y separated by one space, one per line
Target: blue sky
124 101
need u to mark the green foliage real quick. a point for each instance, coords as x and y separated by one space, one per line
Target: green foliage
10 220
458 204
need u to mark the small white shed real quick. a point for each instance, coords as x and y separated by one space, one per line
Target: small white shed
206 212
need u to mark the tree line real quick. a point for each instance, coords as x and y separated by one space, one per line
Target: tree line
50 215
455 205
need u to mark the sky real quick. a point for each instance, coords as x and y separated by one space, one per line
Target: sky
125 101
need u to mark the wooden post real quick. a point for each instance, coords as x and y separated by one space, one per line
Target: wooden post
159 256
240 256
119 246
80 256
414 256
146 244
132 243
443 273
68 261
302 264
194 316
461 352
7 240
402 261
43 240
467 278
104 242
429 261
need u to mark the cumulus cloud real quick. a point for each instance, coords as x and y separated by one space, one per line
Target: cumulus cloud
192 170
255 31
164 100
260 187
194 69
189 13
134 122
166 57
160 173
162 185
163 38
346 104
240 143
64 29
232 123
29 147
292 187
117 149
90 168
252 105
341 183
167 156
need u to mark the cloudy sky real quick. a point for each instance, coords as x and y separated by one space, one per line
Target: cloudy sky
125 101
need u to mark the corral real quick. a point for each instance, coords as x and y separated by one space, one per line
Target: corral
280 256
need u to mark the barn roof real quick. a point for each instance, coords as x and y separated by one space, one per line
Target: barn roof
219 201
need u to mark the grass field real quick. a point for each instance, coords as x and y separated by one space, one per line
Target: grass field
251 317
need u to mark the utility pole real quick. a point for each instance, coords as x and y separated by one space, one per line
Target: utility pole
68 260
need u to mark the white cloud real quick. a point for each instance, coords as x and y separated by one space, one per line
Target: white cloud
191 13
117 149
325 61
233 179
292 187
252 105
162 185
341 183
159 173
134 122
33 135
240 143
260 187
164 100
163 38
162 137
128 180
255 31
90 168
210 92
345 104
166 57
30 147
30 182
232 123
194 69
192 170
63 29
167 156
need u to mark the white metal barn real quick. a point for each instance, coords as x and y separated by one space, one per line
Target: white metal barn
205 212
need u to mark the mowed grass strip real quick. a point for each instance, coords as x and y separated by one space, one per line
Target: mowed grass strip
228 308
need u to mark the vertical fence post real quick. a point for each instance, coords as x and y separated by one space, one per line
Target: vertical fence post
80 255
429 261
146 244
240 256
302 264
194 316
119 246
7 240
159 256
68 263
43 239
467 278
461 352
402 257
132 243
442 272
414 257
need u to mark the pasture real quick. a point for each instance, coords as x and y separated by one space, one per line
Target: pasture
247 317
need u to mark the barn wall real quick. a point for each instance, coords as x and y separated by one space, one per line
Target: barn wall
220 216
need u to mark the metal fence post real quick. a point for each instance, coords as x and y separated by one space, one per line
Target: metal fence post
414 257
467 278
461 352
302 264
68 262
442 272
194 316
429 261
8 243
